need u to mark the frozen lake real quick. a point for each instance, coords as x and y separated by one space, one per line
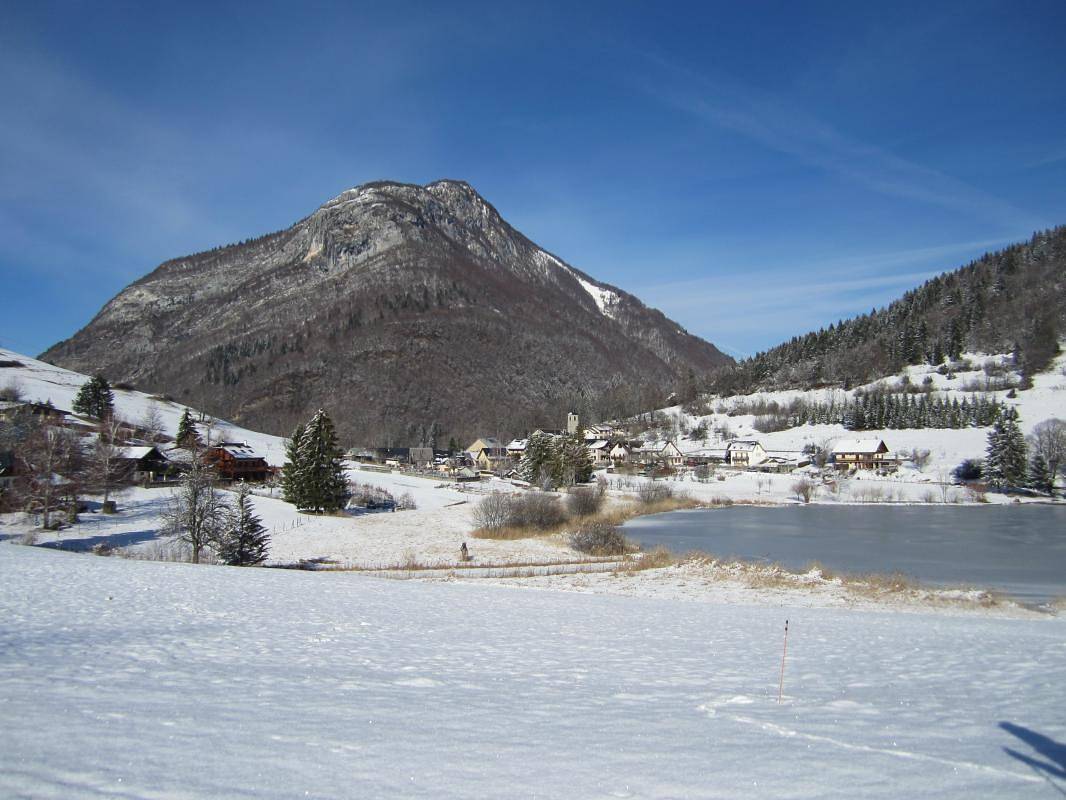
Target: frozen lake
1019 550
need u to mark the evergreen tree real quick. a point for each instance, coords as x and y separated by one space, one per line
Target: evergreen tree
1005 464
322 486
290 475
244 541
573 463
187 435
1041 477
537 464
94 399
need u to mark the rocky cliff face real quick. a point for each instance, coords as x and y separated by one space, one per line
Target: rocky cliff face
393 306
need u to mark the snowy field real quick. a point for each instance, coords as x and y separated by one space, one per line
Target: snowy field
138 679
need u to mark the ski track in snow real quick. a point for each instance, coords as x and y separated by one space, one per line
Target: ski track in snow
148 680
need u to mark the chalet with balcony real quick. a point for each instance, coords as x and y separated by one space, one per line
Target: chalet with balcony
862 454
744 453
237 461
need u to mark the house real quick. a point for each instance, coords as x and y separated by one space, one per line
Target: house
143 464
745 453
236 461
493 460
645 453
8 474
671 456
706 455
391 455
600 451
517 448
862 454
10 410
596 432
620 453
484 443
422 456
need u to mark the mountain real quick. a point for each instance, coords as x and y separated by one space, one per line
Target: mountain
394 306
1013 300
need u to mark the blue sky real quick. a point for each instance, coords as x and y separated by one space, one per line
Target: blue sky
753 169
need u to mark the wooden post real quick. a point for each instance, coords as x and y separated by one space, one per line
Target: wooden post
784 651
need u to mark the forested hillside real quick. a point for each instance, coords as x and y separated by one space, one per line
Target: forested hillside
1013 300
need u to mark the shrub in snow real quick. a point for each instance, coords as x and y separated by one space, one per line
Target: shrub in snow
968 470
535 510
804 489
600 539
583 501
651 492
492 511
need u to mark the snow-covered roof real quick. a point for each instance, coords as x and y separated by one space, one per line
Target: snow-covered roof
518 444
746 446
239 450
135 453
599 445
868 446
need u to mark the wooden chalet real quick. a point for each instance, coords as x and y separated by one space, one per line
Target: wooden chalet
144 464
862 454
236 461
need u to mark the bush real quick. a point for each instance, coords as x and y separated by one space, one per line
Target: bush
651 492
535 510
919 458
804 489
968 470
406 502
600 539
493 511
583 501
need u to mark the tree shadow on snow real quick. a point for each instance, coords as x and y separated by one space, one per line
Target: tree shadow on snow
1053 761
113 540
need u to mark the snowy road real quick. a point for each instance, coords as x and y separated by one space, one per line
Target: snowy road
148 680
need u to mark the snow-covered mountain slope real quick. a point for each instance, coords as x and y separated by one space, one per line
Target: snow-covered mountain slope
146 680
39 382
392 306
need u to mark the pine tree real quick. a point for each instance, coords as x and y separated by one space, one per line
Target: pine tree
322 486
1005 463
573 464
1041 477
94 399
537 465
290 476
187 435
244 541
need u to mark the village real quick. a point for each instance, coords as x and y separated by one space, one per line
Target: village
142 457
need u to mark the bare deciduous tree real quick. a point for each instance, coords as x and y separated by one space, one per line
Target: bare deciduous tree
152 424
196 512
1048 439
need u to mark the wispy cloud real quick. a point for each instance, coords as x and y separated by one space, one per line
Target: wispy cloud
777 123
788 299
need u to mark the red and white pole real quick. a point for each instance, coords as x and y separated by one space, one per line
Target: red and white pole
784 651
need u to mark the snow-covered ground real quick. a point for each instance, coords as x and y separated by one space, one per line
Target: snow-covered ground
148 680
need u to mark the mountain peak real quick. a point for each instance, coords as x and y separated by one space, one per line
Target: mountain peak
414 303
